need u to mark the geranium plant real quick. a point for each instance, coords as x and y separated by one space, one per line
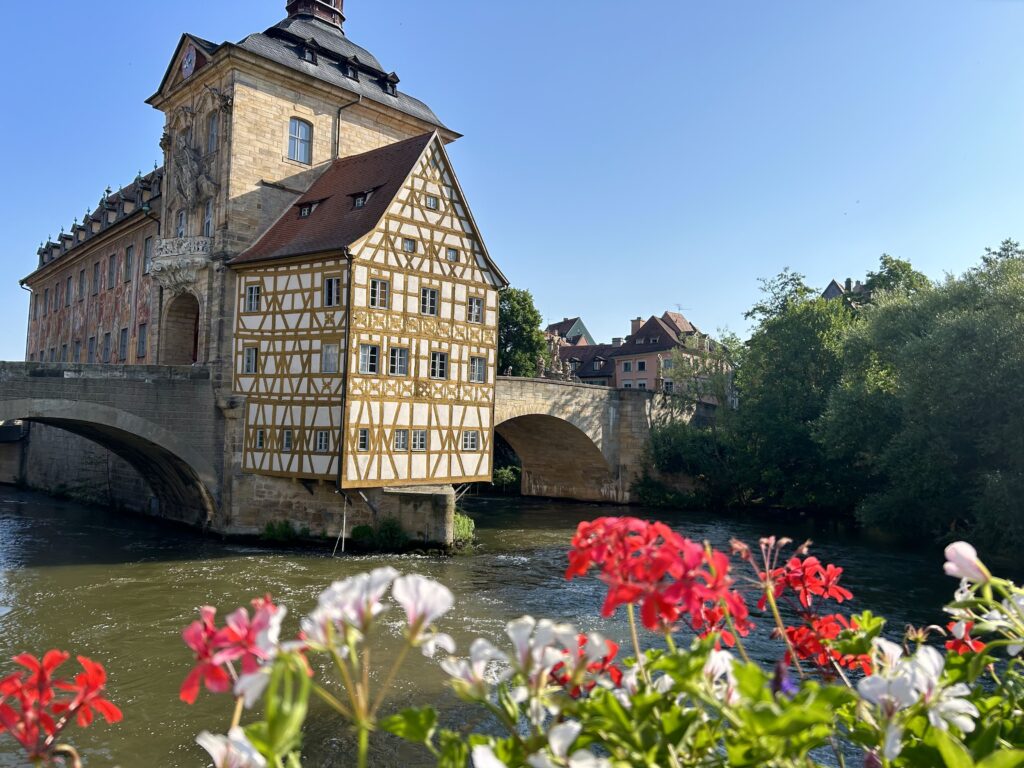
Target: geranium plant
837 690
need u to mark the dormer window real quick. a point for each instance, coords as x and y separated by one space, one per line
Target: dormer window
640 340
390 84
655 339
304 211
349 69
361 199
308 52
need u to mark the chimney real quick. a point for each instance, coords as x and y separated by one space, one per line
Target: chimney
635 326
617 341
329 11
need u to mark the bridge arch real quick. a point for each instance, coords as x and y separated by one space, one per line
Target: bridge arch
177 473
558 458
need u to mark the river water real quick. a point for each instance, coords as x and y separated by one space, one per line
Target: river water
120 589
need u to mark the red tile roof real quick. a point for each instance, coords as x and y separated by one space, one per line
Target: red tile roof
335 223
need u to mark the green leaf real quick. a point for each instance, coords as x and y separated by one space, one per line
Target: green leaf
954 754
415 725
1011 758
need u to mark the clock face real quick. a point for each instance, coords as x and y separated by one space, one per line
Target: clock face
188 64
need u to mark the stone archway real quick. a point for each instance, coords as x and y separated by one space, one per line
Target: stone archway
559 459
179 335
178 474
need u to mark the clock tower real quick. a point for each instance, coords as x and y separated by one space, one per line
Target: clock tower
325 10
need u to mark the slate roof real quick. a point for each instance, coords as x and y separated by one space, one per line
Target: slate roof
655 327
335 223
562 328
586 355
281 43
153 181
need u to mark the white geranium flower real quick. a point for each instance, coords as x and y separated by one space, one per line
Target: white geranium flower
468 676
893 741
484 757
963 563
539 645
353 602
424 600
231 751
946 706
718 672
250 687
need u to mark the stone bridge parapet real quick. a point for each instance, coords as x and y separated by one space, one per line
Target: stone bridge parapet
575 441
162 420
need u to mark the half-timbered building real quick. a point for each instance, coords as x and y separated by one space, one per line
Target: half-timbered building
367 328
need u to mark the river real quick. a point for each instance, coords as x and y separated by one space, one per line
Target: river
120 589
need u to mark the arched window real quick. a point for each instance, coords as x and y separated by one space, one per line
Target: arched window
300 141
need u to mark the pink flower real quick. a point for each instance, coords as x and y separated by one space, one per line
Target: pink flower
200 637
254 642
962 562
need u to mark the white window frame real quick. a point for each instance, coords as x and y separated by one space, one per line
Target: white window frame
300 148
439 365
475 309
408 245
369 359
330 354
401 440
287 441
418 440
627 385
627 366
332 291
323 441
433 203
478 370
363 440
641 366
253 298
471 440
260 440
429 301
250 360
380 293
642 384
398 361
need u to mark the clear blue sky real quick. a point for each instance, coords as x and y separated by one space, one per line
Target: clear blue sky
621 158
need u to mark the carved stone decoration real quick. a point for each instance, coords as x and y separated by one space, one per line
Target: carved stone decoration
177 276
188 168
184 246
178 262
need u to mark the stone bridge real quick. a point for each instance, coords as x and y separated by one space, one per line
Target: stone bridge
575 441
161 420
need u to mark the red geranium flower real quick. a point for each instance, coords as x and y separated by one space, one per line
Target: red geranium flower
961 641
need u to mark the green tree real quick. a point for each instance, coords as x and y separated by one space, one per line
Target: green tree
520 338
793 361
896 276
928 415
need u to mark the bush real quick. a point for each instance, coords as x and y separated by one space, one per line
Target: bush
506 477
362 536
465 530
390 536
280 531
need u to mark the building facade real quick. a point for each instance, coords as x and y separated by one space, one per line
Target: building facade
307 241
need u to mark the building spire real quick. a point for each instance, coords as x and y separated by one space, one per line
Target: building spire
330 11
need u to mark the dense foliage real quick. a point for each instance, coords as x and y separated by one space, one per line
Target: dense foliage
902 404
520 338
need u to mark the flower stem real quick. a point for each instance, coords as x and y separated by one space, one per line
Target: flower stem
636 640
389 679
770 593
670 642
364 745
236 718
332 702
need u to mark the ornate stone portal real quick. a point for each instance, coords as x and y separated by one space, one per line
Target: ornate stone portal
179 260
